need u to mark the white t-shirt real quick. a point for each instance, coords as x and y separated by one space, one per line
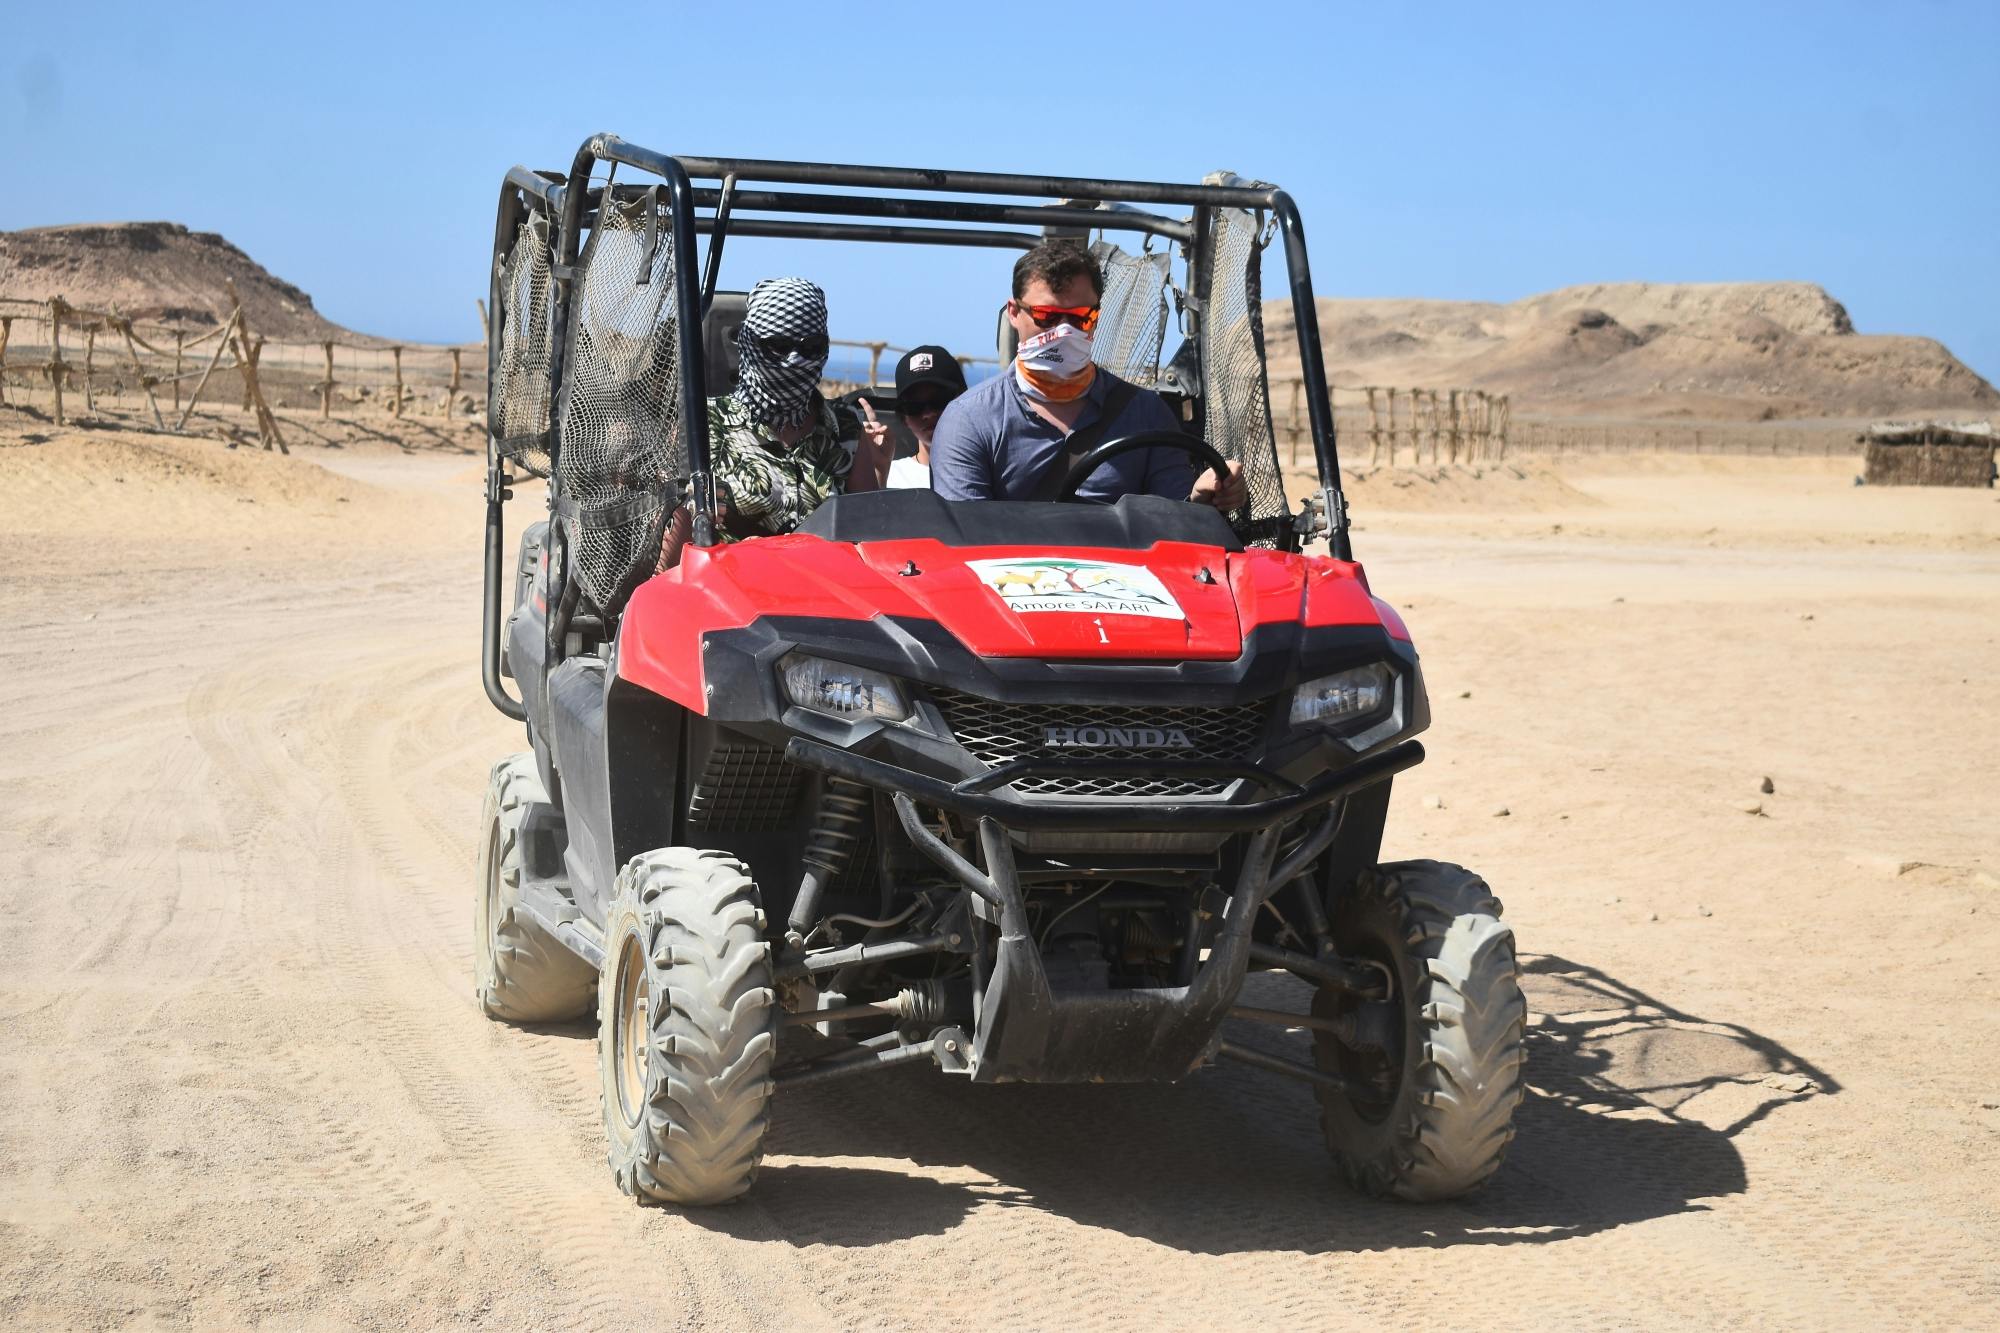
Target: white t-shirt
909 474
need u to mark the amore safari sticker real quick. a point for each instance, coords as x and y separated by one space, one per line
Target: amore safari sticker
1088 586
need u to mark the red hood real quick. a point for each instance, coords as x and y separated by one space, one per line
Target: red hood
1174 601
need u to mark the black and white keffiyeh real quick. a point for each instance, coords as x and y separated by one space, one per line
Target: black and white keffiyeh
779 391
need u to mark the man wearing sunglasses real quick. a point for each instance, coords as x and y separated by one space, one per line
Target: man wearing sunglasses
927 379
1012 437
777 448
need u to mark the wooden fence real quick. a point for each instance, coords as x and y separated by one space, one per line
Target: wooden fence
1448 425
1564 437
72 357
876 350
1438 427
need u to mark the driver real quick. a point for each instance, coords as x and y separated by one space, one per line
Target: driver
1015 436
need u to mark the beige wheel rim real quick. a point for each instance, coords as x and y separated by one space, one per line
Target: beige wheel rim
631 1031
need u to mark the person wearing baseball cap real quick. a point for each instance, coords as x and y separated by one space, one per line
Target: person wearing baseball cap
927 378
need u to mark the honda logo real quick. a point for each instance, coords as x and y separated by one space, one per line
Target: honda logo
1116 738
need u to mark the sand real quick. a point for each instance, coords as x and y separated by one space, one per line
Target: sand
243 1082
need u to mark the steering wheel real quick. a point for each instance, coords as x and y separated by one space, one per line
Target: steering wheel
1198 450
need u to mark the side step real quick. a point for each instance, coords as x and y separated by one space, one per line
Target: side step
544 903
545 895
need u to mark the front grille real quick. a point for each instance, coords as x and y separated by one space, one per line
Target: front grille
744 788
997 733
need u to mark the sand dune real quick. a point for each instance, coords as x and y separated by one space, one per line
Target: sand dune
155 271
1714 350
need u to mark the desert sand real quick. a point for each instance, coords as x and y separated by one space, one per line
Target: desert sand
243 1082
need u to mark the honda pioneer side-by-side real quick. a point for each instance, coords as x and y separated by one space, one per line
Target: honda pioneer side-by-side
1013 790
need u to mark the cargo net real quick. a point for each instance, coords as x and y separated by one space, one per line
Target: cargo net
1132 322
624 455
520 395
1236 396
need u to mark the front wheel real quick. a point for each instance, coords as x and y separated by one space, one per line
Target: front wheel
1439 1069
686 1028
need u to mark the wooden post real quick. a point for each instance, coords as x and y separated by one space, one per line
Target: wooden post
89 356
1506 409
267 424
397 406
451 394
1374 430
249 368
56 366
1455 428
145 381
326 385
180 340
485 332
228 327
6 331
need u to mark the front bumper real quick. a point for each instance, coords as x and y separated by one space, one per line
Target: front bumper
1023 1028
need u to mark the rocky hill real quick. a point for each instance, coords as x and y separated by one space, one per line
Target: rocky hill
157 271
1709 350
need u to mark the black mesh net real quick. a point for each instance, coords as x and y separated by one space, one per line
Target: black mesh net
624 453
1133 319
1236 396
520 391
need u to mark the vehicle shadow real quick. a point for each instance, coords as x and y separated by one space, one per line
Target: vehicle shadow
1631 1114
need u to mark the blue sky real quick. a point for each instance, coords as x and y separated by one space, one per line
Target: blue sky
1478 151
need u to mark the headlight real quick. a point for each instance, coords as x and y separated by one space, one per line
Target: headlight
840 690
1344 697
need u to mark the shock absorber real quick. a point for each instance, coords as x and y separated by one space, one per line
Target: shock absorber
843 807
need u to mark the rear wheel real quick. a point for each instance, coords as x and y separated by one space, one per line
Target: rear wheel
1438 1064
687 1023
522 975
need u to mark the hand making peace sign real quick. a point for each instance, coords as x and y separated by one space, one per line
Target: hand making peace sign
872 451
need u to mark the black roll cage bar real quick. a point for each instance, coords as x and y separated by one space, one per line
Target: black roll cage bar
1082 202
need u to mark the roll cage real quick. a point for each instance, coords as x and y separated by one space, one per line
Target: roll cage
530 348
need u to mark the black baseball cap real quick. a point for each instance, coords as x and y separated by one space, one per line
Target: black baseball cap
929 365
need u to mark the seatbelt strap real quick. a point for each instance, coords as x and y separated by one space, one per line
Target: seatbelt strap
1082 440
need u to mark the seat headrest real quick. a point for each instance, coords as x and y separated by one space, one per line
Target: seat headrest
718 340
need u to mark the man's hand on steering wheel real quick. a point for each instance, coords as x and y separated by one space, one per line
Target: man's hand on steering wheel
1218 481
1227 495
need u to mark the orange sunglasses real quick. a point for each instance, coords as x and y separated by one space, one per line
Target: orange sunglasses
1046 316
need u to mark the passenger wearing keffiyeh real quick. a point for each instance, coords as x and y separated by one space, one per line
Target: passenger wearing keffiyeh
777 448
777 388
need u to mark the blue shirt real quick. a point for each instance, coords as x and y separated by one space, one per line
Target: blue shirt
990 446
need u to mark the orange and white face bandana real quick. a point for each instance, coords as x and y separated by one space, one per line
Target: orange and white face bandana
1055 366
